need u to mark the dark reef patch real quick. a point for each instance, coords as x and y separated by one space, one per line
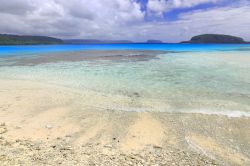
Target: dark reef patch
88 55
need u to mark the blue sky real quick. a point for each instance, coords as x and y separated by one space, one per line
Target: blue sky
173 14
137 20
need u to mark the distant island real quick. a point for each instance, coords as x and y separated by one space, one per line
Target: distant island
6 39
95 41
154 41
215 38
9 39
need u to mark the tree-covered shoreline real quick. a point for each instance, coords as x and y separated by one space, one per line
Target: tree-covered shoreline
6 39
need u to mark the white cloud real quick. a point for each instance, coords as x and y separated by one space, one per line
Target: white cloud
190 3
160 6
226 20
223 20
157 6
119 19
75 17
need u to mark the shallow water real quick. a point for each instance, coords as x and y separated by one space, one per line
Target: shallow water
189 78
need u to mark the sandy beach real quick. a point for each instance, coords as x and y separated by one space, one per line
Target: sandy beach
45 124
125 83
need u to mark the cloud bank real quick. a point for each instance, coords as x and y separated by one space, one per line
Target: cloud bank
124 19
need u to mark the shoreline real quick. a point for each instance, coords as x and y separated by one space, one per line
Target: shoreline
42 124
124 98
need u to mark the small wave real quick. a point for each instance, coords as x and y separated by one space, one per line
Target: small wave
228 113
231 114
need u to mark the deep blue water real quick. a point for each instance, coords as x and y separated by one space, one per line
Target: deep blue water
37 49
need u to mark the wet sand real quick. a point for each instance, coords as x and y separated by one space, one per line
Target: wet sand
45 124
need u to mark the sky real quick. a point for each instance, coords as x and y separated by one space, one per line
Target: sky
136 20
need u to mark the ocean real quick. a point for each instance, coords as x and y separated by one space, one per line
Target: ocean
190 78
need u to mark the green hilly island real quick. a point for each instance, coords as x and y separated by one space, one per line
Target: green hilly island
215 38
27 40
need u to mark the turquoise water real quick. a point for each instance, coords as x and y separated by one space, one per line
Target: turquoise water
37 49
196 78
